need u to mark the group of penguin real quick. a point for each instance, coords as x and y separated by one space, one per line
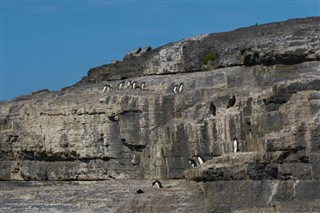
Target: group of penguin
134 85
200 160
123 85
194 164
177 89
156 184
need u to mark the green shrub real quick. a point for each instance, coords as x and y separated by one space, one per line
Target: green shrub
208 57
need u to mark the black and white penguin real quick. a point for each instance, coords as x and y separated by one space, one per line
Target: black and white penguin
157 184
176 89
192 163
212 109
143 85
249 128
235 145
106 88
139 191
231 101
128 86
134 160
134 85
120 86
200 160
180 87
109 88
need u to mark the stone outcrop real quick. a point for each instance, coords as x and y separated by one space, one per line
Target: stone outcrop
273 71
136 52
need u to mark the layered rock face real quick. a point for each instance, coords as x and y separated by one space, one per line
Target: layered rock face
272 70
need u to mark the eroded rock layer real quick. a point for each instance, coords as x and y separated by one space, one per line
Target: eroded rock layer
267 141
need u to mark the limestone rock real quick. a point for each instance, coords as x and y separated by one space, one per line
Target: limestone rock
273 71
132 53
136 52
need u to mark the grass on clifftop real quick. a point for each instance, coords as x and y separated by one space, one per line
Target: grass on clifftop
208 57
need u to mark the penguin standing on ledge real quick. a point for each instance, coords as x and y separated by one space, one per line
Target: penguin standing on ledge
128 85
176 89
192 163
134 85
134 160
121 85
200 160
109 89
143 85
231 101
105 88
157 184
180 87
235 145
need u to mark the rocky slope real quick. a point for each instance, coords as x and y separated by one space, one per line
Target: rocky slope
99 196
272 71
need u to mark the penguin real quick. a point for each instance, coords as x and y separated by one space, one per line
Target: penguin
235 145
121 84
180 87
213 109
175 89
106 88
157 184
139 191
200 160
249 129
133 160
129 85
231 101
192 163
109 88
143 84
134 85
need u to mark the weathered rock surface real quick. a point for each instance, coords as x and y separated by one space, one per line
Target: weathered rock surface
273 70
99 196
136 52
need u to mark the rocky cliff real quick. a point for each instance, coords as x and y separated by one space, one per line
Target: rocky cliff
247 101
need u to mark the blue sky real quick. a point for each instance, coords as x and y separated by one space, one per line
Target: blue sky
52 44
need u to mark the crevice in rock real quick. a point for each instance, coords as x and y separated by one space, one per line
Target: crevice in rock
52 114
129 111
113 118
133 147
92 113
68 156
270 59
212 109
66 114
